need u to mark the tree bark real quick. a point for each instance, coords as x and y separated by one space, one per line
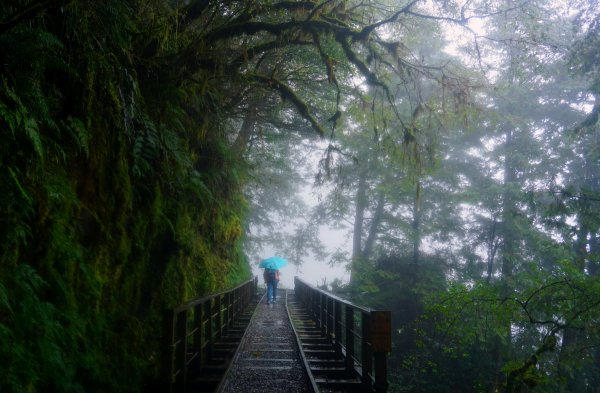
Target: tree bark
492 249
416 224
374 228
246 131
359 216
508 210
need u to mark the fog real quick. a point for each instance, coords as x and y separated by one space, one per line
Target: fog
470 174
312 270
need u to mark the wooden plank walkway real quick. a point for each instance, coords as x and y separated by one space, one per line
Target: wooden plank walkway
268 359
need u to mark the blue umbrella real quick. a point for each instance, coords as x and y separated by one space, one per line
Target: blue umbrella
273 263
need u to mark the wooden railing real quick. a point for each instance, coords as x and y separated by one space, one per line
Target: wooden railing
360 334
191 329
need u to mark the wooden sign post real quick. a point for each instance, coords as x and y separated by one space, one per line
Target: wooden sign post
381 342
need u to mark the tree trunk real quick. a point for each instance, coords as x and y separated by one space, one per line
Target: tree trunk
509 212
508 247
246 131
416 224
492 249
593 266
374 228
359 217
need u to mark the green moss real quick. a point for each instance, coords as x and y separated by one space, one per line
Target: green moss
119 202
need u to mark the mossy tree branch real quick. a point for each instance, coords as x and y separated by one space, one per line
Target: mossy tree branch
367 30
287 93
250 53
256 23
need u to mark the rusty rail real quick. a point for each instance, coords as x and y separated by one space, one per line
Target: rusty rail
191 329
360 334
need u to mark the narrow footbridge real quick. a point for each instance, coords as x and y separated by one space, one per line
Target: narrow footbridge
308 341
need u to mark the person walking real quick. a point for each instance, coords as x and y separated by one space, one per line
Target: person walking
271 277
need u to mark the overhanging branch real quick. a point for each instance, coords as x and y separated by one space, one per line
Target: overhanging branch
288 94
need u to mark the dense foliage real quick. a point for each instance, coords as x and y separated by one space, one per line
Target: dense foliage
119 193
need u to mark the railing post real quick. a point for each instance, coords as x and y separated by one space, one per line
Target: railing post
349 338
317 308
181 351
247 294
243 299
255 286
323 312
218 311
229 311
330 321
366 358
312 299
208 333
168 348
381 341
236 303
315 298
227 304
198 336
337 325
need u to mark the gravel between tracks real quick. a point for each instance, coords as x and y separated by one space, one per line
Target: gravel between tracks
269 360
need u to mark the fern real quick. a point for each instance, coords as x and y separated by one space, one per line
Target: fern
174 148
4 303
21 189
35 351
145 147
19 121
32 132
199 188
80 134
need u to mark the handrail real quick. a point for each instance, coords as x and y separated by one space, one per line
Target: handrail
190 330
362 335
205 298
331 295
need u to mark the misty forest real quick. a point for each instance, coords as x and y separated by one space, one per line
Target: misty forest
152 150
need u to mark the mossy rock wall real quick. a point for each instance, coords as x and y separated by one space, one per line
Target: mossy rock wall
118 199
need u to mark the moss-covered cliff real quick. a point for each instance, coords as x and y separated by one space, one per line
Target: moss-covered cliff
118 192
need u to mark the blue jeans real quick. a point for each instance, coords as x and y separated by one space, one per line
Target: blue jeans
272 291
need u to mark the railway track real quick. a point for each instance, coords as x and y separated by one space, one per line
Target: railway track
268 358
283 350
